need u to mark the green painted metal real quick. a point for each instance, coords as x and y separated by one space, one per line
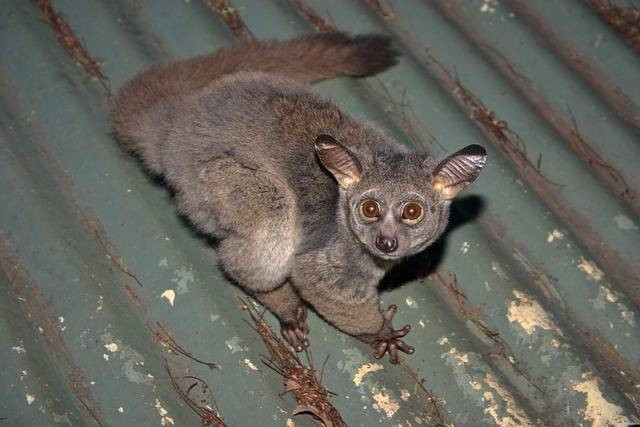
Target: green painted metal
548 264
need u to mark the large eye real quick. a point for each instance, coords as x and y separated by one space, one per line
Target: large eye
370 210
411 213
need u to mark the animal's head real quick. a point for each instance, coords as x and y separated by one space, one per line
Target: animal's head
399 203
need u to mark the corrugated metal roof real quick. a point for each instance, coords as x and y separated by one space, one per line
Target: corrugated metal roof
531 314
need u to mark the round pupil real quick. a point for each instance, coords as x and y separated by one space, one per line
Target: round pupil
412 211
370 209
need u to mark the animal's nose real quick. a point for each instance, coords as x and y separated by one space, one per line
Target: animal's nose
386 244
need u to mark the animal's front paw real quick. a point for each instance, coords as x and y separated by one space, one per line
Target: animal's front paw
388 339
296 332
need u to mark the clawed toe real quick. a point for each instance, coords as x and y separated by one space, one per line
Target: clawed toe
296 332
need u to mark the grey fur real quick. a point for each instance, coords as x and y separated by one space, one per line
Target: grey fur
233 134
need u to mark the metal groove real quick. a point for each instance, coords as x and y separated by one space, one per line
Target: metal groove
564 124
104 244
44 318
625 274
614 95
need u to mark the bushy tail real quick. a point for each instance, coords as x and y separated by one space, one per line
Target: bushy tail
307 59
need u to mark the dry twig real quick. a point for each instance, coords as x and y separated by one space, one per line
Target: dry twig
298 379
72 44
164 337
206 408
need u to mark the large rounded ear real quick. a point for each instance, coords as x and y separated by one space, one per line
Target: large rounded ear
458 170
338 160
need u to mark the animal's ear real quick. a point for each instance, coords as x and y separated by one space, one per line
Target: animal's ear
338 160
458 170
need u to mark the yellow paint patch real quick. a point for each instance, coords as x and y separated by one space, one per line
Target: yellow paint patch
385 403
364 370
475 385
529 314
598 410
165 419
411 302
516 417
462 359
290 423
112 347
608 294
169 295
590 269
404 394
554 235
250 364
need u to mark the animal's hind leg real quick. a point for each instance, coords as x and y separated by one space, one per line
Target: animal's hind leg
256 210
285 304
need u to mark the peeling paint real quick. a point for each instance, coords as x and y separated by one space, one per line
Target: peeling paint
625 223
233 344
443 340
165 419
250 364
465 247
590 269
364 370
184 277
290 423
385 403
489 6
529 314
411 302
516 417
404 394
163 263
499 271
598 410
19 348
130 357
169 295
627 315
30 398
460 358
554 235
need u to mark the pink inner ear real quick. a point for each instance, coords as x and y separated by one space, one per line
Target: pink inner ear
338 160
459 170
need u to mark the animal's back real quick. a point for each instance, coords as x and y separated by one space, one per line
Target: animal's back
233 134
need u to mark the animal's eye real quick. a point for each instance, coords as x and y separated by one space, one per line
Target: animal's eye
370 210
412 213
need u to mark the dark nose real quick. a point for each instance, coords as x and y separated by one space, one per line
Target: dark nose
386 244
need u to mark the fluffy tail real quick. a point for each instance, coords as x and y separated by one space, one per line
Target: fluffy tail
307 59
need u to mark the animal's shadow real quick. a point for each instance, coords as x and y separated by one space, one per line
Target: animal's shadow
463 210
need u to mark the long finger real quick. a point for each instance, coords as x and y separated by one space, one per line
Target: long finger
401 332
393 353
402 346
381 348
390 312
